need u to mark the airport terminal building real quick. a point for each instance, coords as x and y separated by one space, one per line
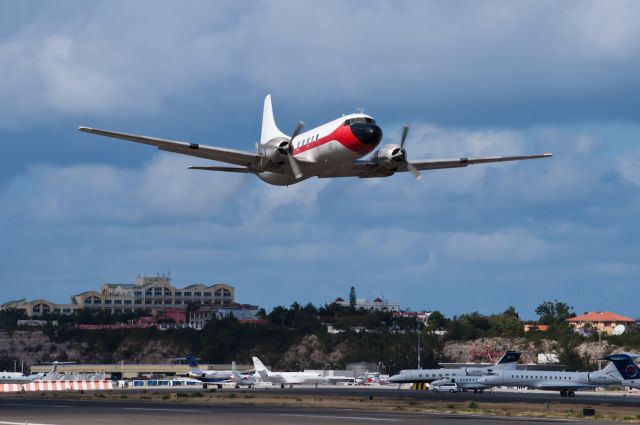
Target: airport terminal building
145 295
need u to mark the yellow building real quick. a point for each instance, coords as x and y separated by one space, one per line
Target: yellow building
601 322
145 294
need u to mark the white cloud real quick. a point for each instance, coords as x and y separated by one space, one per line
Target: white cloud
117 58
161 189
507 246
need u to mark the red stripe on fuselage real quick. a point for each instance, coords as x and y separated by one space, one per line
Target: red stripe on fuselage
344 136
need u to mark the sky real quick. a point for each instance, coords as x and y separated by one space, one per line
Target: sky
470 78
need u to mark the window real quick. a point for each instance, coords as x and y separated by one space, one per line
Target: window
117 301
178 293
137 293
66 310
197 294
178 302
207 294
127 302
167 302
147 301
187 294
107 301
138 302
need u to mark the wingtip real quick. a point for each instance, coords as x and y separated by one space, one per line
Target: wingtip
83 128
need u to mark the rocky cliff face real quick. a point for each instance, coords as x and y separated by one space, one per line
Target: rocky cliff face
33 347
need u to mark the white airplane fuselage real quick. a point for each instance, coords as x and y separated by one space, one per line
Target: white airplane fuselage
329 147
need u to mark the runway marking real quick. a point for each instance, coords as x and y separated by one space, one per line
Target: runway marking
22 423
36 405
355 418
159 409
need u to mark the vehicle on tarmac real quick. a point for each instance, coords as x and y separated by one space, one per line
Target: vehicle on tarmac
288 378
627 367
451 387
331 150
564 382
508 361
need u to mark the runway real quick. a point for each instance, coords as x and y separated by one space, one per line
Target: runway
34 411
531 396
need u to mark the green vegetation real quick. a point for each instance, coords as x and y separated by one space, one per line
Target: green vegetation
376 337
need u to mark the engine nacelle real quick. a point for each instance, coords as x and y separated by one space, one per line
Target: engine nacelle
389 157
276 150
472 371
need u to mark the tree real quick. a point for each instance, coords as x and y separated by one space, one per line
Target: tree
352 297
554 312
436 320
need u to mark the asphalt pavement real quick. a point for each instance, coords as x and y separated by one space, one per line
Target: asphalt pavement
48 411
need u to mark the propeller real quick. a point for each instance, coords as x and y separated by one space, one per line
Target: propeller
410 166
295 168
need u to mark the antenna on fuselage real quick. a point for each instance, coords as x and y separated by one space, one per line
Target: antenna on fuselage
360 109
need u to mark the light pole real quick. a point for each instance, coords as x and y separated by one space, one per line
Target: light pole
418 332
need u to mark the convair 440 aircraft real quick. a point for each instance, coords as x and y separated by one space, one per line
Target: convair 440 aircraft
334 149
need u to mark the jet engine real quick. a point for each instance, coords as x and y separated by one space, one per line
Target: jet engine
390 157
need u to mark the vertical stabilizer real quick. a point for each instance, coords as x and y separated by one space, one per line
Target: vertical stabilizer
509 360
259 367
269 128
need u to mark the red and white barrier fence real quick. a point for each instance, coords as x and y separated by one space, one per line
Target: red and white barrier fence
57 386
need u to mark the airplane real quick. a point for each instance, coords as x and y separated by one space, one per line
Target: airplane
206 375
15 378
465 377
565 382
241 379
334 149
287 378
627 367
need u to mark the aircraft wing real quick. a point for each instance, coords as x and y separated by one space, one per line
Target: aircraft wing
555 386
231 156
368 168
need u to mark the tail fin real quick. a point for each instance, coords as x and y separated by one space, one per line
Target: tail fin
625 365
193 365
259 367
269 128
509 360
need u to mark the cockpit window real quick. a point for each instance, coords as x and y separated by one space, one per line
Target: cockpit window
359 119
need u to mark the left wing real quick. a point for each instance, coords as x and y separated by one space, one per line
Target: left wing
231 156
369 168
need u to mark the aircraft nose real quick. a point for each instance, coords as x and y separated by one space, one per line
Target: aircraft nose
366 133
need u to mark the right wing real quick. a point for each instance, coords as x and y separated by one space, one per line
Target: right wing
368 168
232 156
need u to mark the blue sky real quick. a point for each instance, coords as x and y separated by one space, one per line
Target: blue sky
489 78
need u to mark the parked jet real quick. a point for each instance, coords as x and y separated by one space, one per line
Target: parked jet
334 149
565 382
15 378
287 378
627 368
207 375
508 362
241 379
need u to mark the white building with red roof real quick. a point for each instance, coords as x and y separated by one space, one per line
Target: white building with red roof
601 321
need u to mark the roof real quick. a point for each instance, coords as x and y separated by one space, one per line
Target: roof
122 285
600 316
378 300
21 300
339 300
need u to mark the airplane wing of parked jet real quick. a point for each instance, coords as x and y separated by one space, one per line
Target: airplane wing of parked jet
231 156
372 169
